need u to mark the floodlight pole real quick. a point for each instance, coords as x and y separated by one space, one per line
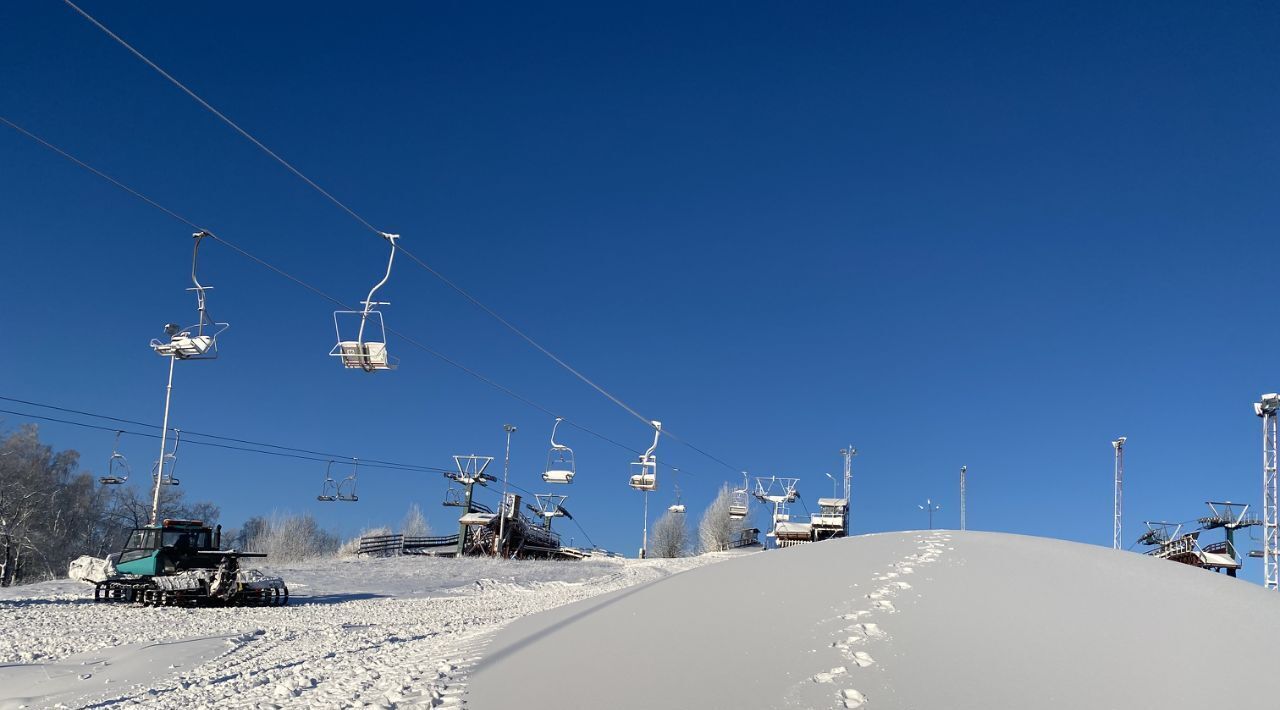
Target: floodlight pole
500 544
963 471
164 431
1117 527
848 453
1266 409
930 507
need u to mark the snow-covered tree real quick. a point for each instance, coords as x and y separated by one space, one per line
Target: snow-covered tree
415 523
289 538
669 537
716 529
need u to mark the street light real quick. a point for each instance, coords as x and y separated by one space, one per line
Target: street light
506 469
833 484
931 508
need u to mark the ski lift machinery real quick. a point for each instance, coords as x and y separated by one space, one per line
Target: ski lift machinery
367 350
644 472
199 341
560 464
117 466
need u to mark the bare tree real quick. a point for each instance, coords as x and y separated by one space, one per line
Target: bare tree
415 523
670 536
716 529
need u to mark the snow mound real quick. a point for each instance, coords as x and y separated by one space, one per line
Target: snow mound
988 622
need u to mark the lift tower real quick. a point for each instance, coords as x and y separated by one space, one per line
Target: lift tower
848 453
1117 532
1266 409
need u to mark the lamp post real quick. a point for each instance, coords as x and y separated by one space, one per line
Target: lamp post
506 469
833 484
930 507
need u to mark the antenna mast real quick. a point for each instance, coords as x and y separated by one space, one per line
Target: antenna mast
1117 533
848 453
1266 408
963 470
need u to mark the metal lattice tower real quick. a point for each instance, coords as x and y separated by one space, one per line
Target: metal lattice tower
1117 525
1266 409
963 471
848 453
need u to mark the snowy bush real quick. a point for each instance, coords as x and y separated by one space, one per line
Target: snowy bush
670 536
289 538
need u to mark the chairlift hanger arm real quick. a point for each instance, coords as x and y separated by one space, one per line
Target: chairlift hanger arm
369 303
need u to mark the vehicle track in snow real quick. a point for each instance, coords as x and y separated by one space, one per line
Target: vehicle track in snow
356 650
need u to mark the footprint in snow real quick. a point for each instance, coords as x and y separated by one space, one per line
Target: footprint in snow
852 698
829 676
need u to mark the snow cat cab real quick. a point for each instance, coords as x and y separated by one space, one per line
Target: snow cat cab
179 563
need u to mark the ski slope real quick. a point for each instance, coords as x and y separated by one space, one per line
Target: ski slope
398 632
902 621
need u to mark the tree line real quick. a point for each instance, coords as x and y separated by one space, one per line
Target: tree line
51 512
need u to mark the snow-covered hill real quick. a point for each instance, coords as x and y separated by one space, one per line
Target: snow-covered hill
903 621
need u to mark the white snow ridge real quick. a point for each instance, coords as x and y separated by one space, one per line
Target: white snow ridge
988 622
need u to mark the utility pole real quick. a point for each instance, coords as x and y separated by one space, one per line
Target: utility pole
963 470
1267 408
500 543
931 508
1117 527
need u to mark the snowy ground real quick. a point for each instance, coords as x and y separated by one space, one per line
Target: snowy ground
386 633
902 621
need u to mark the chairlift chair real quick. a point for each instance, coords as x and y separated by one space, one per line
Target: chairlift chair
347 486
560 463
118 470
199 341
362 335
676 507
644 471
169 461
329 489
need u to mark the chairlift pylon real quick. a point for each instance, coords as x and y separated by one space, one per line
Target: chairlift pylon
170 461
644 471
328 489
199 341
118 470
560 464
367 350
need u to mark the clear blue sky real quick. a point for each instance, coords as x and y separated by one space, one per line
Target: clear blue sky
997 236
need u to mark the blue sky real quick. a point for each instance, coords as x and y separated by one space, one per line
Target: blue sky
996 236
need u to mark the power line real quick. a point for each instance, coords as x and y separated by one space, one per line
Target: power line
252 257
448 282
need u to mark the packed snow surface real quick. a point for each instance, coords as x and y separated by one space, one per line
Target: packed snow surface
399 632
902 621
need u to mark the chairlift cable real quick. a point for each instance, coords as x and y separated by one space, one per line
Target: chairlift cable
224 118
448 282
319 292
